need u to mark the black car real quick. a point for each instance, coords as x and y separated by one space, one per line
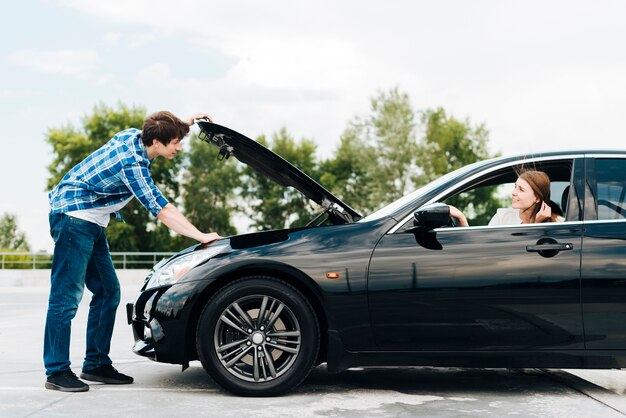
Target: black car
400 286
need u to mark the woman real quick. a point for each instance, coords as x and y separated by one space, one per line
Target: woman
529 200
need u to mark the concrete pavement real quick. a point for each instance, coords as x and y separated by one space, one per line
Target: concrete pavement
162 390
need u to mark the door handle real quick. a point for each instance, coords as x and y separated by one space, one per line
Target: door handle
549 247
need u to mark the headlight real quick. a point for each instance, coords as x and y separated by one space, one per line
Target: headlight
173 271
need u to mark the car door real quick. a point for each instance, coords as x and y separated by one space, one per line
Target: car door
604 254
480 288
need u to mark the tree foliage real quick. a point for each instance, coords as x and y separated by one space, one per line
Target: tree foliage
209 187
348 173
271 206
393 126
449 144
11 238
70 145
390 152
375 158
381 156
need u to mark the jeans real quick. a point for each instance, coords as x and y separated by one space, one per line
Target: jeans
81 258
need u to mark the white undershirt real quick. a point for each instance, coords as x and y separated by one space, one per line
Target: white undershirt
506 216
100 216
510 216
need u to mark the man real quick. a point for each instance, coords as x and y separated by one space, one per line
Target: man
81 206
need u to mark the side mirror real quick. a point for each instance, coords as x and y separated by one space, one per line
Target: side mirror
432 216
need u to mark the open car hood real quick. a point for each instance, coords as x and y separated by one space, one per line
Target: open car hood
255 155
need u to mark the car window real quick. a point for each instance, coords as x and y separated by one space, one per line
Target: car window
480 204
611 188
480 199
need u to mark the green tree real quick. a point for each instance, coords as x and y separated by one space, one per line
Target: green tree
70 145
393 125
270 205
209 188
449 144
390 152
374 162
348 173
11 238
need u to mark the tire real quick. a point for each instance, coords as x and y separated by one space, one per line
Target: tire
258 336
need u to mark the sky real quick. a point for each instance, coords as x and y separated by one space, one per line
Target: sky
541 75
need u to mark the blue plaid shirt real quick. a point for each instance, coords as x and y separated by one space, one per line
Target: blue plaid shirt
113 173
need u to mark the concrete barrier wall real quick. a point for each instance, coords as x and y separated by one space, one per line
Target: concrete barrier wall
41 278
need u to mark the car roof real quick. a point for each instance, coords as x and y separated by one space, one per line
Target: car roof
549 154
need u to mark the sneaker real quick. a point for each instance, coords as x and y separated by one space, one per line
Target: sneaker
106 374
66 382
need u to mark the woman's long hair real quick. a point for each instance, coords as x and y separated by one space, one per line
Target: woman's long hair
540 183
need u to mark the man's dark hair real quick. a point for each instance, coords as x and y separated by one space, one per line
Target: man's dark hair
163 126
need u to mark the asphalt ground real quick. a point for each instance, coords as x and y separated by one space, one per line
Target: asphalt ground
161 390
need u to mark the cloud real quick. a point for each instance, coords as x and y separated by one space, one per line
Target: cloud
155 73
112 38
117 10
548 79
130 40
18 93
66 62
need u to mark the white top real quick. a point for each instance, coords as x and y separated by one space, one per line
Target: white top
510 216
100 216
506 216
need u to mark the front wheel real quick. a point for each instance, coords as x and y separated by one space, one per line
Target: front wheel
258 336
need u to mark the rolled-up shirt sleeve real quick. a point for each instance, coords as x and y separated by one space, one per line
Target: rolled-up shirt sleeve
136 177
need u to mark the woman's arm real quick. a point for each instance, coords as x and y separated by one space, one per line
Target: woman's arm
458 215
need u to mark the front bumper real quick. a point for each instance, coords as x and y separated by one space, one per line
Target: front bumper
163 322
142 333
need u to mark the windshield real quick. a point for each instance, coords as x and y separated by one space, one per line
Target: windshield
405 200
